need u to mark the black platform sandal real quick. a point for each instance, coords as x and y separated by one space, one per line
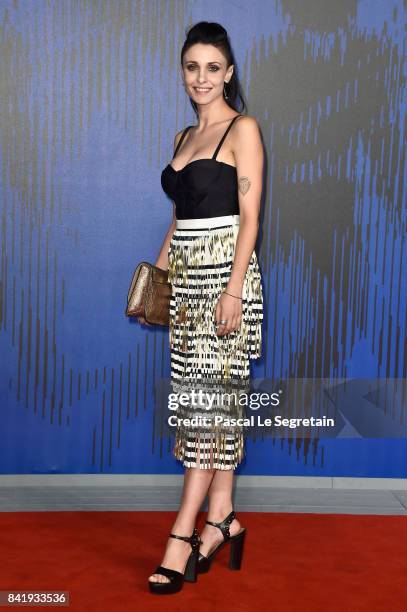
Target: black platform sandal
236 546
177 578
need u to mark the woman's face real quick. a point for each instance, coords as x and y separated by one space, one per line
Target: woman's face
204 73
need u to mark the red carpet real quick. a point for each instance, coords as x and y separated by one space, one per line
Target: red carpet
292 562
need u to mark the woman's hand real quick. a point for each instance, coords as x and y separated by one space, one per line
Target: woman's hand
228 308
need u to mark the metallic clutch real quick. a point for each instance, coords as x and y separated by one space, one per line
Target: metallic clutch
149 294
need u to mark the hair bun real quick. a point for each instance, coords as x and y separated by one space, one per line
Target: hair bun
207 28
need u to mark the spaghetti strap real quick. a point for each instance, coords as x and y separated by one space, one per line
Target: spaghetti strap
181 139
224 136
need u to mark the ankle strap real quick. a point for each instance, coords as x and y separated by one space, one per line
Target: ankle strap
194 539
224 525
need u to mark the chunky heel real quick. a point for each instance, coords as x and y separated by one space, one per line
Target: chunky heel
236 546
204 564
177 579
191 570
236 551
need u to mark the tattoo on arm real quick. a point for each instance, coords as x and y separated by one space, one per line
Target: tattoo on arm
244 184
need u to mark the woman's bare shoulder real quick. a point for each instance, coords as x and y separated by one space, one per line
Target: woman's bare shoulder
246 128
246 123
178 136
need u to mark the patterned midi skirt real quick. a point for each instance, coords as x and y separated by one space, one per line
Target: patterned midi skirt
212 372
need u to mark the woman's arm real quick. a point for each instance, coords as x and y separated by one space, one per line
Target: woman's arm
162 258
248 152
249 156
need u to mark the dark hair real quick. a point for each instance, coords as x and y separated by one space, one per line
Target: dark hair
210 33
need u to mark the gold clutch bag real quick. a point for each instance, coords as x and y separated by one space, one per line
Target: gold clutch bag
149 294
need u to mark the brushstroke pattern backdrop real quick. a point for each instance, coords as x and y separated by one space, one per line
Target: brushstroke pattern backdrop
91 98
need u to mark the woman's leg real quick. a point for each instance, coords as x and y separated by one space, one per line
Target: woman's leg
196 484
220 505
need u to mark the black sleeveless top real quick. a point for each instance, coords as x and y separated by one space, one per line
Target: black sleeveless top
204 187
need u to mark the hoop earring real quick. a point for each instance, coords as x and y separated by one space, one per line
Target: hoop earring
224 91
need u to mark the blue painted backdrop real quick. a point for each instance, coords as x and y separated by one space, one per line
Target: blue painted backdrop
91 98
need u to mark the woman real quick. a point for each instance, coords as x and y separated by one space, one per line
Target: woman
216 310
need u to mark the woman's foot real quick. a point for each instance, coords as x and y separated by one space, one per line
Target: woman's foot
175 557
212 536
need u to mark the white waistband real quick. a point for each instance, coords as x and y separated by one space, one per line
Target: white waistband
207 223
